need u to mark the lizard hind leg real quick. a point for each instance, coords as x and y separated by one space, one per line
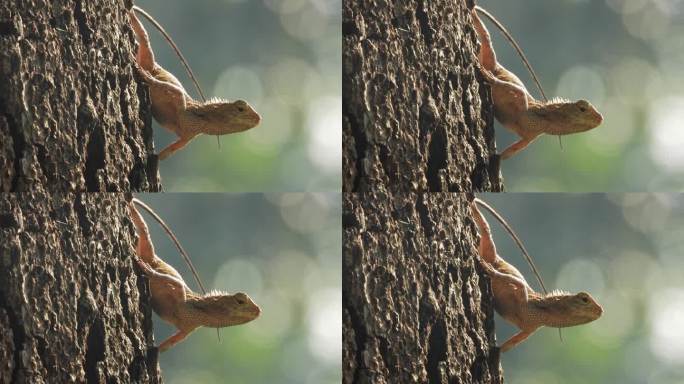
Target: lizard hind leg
144 56
487 248
144 248
486 55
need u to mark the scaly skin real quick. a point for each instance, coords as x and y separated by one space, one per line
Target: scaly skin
176 111
519 304
176 303
521 113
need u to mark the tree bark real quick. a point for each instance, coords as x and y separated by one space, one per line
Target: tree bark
415 114
71 306
72 117
414 308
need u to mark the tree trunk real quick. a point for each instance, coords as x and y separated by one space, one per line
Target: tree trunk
414 308
72 117
415 115
70 301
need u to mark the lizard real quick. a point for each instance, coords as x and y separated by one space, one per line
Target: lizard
176 303
175 110
520 245
518 303
178 52
520 52
519 111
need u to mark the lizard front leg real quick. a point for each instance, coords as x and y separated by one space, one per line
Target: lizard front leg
174 339
515 340
517 146
172 148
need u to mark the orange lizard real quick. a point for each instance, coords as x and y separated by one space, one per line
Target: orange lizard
176 111
521 113
176 303
519 304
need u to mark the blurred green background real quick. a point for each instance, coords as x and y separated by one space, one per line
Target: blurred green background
627 58
626 251
281 56
284 251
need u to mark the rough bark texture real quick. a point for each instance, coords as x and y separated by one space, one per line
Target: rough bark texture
415 116
71 307
414 308
72 117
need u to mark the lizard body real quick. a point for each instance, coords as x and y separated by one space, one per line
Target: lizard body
521 113
176 303
179 113
519 304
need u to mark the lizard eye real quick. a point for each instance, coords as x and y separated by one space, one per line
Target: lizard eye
240 301
583 109
240 109
585 300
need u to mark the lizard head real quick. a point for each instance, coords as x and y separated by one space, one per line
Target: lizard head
241 114
222 117
581 116
576 309
220 309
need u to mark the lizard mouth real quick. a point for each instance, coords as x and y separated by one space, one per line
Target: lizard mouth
599 118
255 119
250 121
599 310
